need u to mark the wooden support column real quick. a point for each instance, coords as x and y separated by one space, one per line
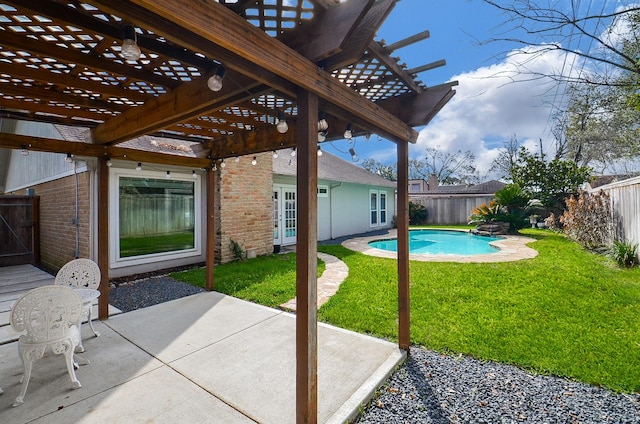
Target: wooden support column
103 237
403 246
306 263
210 242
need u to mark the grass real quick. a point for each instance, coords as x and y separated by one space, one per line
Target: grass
267 280
146 245
566 312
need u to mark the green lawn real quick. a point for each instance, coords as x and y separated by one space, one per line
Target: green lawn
566 312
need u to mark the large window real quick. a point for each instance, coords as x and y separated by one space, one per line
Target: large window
156 217
377 208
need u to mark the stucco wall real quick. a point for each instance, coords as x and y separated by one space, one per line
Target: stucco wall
245 206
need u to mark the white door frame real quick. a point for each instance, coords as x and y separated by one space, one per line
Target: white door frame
286 207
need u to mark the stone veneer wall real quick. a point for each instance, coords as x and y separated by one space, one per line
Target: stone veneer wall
57 213
245 206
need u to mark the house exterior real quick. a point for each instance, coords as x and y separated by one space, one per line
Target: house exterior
450 204
351 200
255 203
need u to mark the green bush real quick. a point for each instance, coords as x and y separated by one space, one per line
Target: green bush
417 214
625 254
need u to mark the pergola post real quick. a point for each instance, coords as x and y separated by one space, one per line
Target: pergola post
403 245
306 262
103 237
210 242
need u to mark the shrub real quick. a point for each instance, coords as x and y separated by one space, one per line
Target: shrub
487 213
236 249
625 254
587 220
417 214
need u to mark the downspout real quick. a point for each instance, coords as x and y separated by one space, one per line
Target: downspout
76 220
331 187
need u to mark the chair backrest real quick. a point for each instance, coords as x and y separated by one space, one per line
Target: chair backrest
79 273
47 313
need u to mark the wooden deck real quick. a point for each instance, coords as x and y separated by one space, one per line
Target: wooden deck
14 282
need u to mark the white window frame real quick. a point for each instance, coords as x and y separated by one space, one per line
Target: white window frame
378 208
115 261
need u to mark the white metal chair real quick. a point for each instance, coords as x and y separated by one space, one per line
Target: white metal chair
49 315
81 274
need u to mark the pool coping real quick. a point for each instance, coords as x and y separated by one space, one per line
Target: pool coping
512 248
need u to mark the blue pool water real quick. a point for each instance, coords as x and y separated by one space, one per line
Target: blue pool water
441 242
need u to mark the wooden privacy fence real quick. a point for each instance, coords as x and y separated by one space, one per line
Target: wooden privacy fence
625 208
155 214
449 209
19 230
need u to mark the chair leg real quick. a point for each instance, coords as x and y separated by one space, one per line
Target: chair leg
68 354
91 322
28 355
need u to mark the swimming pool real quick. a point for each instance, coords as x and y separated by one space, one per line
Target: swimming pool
441 242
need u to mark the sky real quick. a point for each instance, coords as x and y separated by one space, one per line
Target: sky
489 107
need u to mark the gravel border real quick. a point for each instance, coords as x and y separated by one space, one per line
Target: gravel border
147 292
435 388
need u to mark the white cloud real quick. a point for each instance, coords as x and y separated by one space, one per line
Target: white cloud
495 102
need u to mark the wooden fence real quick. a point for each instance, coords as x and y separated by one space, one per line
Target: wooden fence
625 208
19 230
155 214
450 209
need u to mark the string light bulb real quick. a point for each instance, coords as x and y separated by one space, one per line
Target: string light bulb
323 125
322 135
254 161
319 150
237 159
214 167
275 154
215 81
109 163
193 174
348 133
282 125
25 150
293 152
354 155
130 50
168 175
69 158
139 167
222 164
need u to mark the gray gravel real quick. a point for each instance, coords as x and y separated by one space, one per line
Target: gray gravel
435 388
149 291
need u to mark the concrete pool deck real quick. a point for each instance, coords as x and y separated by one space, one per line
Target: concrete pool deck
512 248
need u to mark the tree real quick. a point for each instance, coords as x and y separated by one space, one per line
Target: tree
507 158
388 172
550 182
544 27
451 167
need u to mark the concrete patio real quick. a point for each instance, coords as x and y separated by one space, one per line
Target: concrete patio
200 359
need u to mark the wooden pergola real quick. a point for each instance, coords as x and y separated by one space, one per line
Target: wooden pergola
221 73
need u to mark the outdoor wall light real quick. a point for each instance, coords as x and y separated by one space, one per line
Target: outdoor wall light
354 155
139 167
215 81
348 133
275 154
69 158
130 50
282 125
254 161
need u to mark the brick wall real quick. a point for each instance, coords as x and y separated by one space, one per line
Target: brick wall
57 212
245 206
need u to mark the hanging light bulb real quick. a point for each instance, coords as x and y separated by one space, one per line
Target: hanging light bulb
215 81
322 136
25 150
275 154
109 163
139 167
214 167
237 159
222 164
130 50
193 174
168 175
354 155
323 125
69 158
348 133
293 152
319 151
282 125
254 161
